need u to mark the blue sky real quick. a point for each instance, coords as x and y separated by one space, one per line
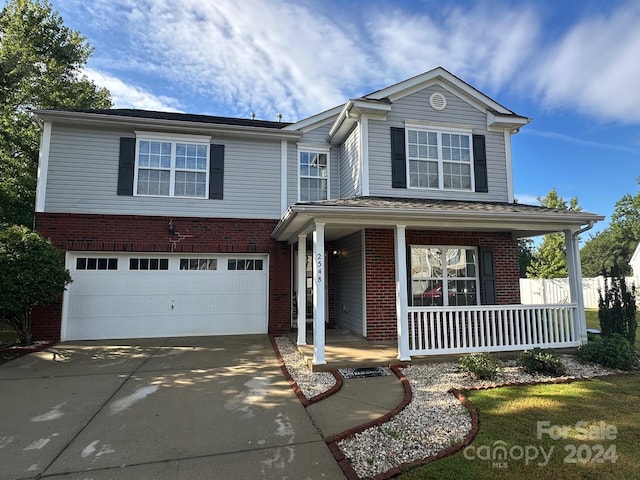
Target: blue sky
573 66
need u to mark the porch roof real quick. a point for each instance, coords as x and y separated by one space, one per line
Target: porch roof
345 216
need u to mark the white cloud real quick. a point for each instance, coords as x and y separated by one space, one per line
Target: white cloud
267 57
485 46
580 141
131 96
298 58
595 67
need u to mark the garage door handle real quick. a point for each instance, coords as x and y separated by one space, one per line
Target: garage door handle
172 305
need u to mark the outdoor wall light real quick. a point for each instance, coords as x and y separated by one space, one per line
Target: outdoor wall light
172 228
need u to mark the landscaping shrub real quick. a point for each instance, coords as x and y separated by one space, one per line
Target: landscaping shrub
617 309
481 365
613 351
541 361
32 273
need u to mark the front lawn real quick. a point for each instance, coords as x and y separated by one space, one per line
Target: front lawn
7 335
509 418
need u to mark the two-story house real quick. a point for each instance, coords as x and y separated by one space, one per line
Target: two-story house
392 216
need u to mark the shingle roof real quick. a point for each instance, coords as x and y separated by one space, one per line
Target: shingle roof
187 117
419 203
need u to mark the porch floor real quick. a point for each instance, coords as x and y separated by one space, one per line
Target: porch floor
344 349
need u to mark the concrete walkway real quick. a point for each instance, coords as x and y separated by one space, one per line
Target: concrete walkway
359 401
195 408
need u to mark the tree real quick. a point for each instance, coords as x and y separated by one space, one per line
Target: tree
611 249
33 274
550 258
40 67
525 250
603 254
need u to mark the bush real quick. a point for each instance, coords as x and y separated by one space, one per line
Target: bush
541 361
613 351
617 309
481 365
32 273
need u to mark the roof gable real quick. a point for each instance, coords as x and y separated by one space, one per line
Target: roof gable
447 80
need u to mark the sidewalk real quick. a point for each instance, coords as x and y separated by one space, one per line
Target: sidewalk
359 401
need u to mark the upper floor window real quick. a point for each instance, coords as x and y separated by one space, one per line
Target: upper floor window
314 175
439 159
172 167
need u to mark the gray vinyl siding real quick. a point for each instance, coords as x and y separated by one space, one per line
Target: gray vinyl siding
317 136
350 168
349 288
415 107
83 176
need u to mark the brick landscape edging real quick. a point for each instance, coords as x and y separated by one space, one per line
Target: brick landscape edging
294 385
332 442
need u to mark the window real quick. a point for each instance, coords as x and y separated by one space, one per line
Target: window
93 263
148 264
444 276
178 168
314 175
439 159
244 264
198 264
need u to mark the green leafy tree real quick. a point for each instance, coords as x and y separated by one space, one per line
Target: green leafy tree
611 249
41 61
602 253
525 251
550 258
33 274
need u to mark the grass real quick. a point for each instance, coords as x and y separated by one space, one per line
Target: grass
7 335
594 322
510 415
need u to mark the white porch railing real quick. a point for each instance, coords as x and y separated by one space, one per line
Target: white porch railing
491 328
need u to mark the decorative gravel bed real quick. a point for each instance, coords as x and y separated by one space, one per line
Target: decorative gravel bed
311 383
433 421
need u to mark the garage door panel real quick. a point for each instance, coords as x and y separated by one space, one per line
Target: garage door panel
124 303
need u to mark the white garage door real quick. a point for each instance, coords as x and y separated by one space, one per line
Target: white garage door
138 295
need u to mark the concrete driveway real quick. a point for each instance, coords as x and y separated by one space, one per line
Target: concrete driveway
196 407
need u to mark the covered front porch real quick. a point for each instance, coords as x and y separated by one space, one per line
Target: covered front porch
479 309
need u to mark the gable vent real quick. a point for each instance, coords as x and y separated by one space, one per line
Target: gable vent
437 101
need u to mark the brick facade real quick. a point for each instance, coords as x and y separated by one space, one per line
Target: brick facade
124 233
380 271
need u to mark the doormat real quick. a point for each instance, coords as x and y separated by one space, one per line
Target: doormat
363 372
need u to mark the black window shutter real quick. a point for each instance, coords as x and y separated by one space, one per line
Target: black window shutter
126 165
480 163
487 277
398 159
216 172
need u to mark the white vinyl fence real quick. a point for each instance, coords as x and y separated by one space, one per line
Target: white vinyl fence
556 290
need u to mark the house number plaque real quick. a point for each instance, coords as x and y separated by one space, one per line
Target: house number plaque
319 267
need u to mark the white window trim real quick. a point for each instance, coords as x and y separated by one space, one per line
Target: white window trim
314 148
172 138
444 268
440 161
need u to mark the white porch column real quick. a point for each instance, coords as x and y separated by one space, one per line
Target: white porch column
575 282
319 279
301 288
402 304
